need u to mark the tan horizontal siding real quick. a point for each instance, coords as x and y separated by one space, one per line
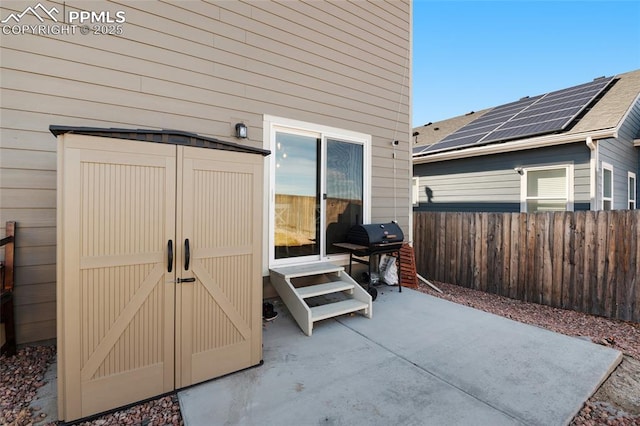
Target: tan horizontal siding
35 293
95 112
312 68
389 23
28 198
343 42
388 192
355 28
386 173
174 69
33 121
36 236
33 256
28 217
197 15
25 159
22 178
45 312
35 331
162 42
356 113
20 60
160 90
395 8
161 116
199 67
38 274
263 21
23 138
339 65
387 214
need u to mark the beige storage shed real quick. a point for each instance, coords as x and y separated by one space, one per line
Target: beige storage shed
158 264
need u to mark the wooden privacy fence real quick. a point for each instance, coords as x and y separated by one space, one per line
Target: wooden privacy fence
584 261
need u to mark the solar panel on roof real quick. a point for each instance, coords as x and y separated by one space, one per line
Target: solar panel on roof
548 113
473 133
417 149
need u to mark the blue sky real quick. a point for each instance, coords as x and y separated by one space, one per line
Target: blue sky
471 55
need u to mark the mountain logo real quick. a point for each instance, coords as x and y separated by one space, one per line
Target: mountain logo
34 11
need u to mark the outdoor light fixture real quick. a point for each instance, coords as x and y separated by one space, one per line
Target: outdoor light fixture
241 131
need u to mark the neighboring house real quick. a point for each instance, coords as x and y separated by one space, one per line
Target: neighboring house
431 133
572 149
324 86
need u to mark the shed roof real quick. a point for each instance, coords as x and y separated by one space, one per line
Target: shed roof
174 137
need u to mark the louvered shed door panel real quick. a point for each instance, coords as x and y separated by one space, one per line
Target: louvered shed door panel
118 301
219 315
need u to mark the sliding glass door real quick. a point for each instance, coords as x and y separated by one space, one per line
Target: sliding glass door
318 194
297 196
344 190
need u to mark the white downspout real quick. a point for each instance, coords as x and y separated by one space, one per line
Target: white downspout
593 165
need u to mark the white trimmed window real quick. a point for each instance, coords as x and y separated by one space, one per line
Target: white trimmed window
632 190
607 186
545 189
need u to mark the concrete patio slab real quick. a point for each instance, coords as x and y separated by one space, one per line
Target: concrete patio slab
421 360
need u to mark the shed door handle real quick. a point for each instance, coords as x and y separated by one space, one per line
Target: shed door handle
170 259
187 254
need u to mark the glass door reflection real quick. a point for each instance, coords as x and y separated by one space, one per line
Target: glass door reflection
344 176
297 196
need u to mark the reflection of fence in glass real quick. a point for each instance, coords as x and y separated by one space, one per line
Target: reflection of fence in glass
296 217
295 220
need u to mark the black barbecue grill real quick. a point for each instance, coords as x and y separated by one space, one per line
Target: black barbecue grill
376 236
370 240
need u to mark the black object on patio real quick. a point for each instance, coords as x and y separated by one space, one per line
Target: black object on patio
370 240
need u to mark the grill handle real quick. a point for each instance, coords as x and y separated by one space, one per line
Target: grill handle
170 256
187 254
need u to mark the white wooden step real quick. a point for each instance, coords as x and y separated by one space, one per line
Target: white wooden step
320 289
296 297
334 309
307 270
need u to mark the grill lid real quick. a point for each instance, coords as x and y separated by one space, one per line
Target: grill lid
376 234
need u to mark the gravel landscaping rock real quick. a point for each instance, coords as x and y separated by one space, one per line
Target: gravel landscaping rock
617 402
623 386
22 375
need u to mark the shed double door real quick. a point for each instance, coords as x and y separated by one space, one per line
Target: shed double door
159 269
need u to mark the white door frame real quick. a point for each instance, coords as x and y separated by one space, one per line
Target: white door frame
272 124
